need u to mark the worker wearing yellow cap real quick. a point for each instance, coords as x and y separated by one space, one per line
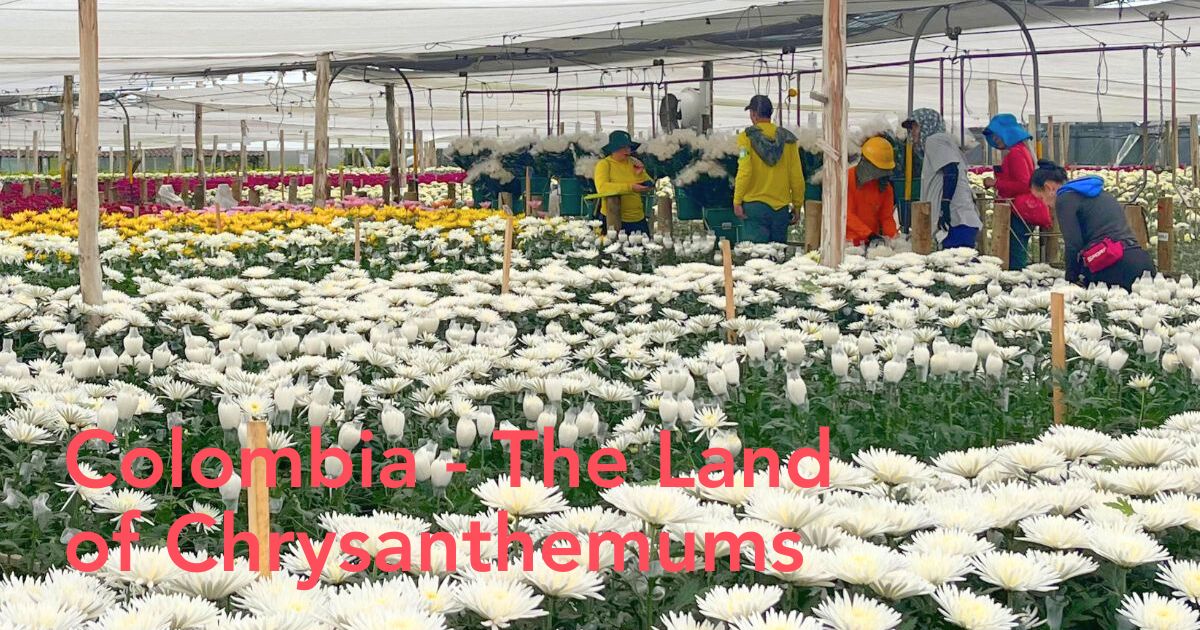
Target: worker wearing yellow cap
871 202
768 192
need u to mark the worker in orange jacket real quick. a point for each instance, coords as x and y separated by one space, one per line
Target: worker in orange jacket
871 202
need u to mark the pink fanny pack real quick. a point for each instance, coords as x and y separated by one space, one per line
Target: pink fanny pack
1103 255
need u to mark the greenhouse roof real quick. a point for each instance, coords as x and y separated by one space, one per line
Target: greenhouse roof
164 56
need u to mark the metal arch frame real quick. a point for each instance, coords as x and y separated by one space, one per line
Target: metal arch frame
412 99
1033 53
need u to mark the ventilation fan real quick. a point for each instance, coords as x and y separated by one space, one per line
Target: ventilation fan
682 112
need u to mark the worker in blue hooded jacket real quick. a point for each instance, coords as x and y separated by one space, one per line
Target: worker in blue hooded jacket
1091 220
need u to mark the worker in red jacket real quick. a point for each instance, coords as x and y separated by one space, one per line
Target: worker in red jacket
871 202
1005 133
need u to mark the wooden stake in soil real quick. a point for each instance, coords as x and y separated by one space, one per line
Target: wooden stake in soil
836 107
666 216
1001 216
259 499
1166 225
508 245
730 307
1058 353
293 195
922 228
529 191
90 283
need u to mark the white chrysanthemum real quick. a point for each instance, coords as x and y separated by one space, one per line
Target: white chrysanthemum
785 509
846 611
685 621
1066 564
1151 611
500 602
776 620
863 563
654 504
971 611
529 497
575 583
891 467
937 567
1055 532
1015 572
216 583
1125 546
1183 578
735 602
1144 450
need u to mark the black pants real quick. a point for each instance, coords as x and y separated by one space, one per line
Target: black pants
1125 272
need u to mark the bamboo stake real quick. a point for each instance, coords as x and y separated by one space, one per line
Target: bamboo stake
922 227
260 496
730 307
1058 353
90 285
506 273
1166 225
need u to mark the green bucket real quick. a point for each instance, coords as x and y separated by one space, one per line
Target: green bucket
541 188
724 223
685 208
571 197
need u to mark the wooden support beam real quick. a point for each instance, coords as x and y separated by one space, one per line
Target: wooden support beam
90 286
67 155
198 159
833 188
394 139
812 226
993 87
321 148
629 115
1174 161
1051 149
35 155
730 305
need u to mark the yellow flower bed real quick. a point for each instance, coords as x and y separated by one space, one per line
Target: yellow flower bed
64 221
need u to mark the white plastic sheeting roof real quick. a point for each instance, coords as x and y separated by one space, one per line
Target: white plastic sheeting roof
159 37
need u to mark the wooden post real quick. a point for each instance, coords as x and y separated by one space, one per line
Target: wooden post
1174 161
993 87
1058 353
922 227
141 158
812 226
321 141
215 165
357 240
254 198
629 115
89 131
143 191
1001 215
730 307
1136 216
1051 241
266 165
1066 144
177 156
1194 146
412 192
259 499
282 156
1166 228
612 214
292 192
199 158
1037 140
508 245
529 191
389 92
598 126
833 189
36 155
1050 148
304 159
451 191
666 217
706 85
67 156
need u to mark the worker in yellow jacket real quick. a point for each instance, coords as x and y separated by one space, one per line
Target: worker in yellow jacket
621 173
769 177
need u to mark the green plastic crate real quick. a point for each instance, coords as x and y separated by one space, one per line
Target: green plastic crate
724 223
571 197
541 188
685 208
